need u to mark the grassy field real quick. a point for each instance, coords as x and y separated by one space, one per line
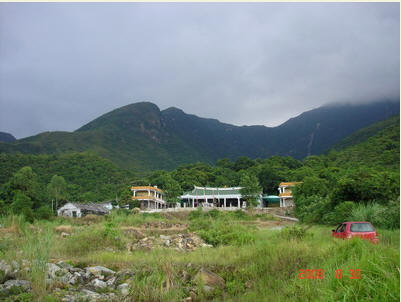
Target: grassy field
258 256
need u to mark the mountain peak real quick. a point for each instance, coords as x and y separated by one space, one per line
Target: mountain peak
126 117
173 110
6 137
145 105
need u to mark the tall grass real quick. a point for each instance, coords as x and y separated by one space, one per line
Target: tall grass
371 212
36 250
262 268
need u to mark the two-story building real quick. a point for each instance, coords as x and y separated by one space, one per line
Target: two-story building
285 190
150 197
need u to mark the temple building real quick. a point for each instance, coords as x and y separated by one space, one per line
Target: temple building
213 197
150 197
285 195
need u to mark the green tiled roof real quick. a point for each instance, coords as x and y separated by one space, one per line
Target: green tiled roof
213 191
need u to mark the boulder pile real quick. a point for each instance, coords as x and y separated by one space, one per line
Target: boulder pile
69 283
179 242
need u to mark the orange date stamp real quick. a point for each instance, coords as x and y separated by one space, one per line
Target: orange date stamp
319 274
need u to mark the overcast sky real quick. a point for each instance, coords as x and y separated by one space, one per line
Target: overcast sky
64 64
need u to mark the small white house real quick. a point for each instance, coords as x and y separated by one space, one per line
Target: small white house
72 209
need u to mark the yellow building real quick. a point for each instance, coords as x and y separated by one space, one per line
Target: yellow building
285 195
150 197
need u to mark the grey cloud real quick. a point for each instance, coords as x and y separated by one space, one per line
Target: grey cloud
63 64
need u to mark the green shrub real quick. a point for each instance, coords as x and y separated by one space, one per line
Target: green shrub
293 232
196 214
341 213
214 213
44 212
222 232
371 212
392 214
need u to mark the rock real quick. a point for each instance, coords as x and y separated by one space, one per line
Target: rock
98 283
5 270
52 270
68 298
111 282
181 242
75 278
65 265
209 278
66 278
89 295
76 270
123 275
123 289
98 271
20 285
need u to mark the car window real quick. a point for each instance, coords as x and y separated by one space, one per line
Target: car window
361 227
341 228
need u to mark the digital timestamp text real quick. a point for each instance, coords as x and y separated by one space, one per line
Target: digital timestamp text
320 273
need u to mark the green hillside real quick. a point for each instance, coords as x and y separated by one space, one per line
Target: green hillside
376 146
88 175
365 171
6 137
140 137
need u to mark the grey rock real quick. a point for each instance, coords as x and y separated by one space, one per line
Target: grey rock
123 289
20 284
76 270
123 275
65 277
52 270
98 271
5 270
98 283
64 265
75 278
111 282
90 295
68 298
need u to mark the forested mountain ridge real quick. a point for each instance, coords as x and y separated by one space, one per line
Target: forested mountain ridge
6 137
141 137
376 146
365 171
89 177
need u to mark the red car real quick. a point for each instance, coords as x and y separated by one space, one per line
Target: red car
362 229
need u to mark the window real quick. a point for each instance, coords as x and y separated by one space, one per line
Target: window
361 227
341 228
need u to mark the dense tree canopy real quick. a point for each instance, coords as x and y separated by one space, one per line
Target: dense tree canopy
362 174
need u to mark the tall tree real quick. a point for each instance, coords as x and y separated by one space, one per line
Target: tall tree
57 189
170 186
26 181
250 189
